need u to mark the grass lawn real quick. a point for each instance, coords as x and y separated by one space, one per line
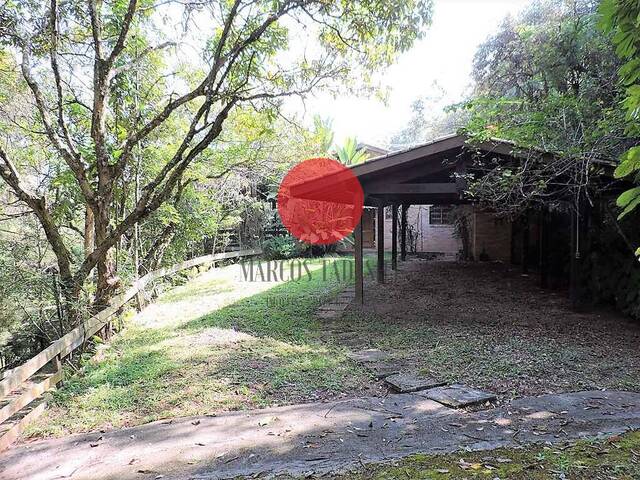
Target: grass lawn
220 343
217 343
615 458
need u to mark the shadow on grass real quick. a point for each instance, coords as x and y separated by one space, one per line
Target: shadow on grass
182 293
285 312
146 374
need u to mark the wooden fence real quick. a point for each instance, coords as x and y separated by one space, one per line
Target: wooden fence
21 388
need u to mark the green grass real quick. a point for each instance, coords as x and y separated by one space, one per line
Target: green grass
178 367
616 458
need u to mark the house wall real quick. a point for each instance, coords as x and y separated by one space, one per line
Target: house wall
431 238
490 236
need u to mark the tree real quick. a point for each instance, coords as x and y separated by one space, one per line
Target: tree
548 82
425 125
107 88
416 130
622 18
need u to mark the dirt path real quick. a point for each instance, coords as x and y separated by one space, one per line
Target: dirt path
317 438
486 325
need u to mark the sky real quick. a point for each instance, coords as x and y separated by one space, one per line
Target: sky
438 66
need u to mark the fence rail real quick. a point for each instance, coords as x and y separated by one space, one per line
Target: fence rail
19 378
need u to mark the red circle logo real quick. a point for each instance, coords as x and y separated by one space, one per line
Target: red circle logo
320 201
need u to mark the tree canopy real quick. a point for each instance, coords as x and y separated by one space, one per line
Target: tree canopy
622 19
107 104
548 82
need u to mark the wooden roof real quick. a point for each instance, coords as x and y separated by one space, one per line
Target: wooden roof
424 174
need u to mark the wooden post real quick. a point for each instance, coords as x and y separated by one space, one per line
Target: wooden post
403 233
394 237
358 260
544 247
380 243
525 244
58 364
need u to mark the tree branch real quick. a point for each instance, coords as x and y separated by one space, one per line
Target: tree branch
122 37
10 175
74 162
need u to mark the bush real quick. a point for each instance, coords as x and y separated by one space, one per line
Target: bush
283 248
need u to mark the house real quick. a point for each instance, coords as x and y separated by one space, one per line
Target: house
435 230
430 178
431 228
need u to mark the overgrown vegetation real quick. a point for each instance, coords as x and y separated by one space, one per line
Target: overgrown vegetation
548 82
622 18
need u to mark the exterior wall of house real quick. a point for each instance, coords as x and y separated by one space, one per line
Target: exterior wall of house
490 236
429 238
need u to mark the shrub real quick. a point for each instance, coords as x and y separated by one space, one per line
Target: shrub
282 248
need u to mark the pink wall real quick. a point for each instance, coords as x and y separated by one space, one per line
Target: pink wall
431 238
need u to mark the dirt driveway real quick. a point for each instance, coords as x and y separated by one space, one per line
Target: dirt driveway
488 326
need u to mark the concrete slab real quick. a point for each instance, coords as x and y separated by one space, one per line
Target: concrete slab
459 396
410 382
318 438
368 356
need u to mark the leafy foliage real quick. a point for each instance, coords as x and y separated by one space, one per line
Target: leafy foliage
622 18
548 82
349 153
282 248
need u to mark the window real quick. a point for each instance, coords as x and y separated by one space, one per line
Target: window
440 215
388 213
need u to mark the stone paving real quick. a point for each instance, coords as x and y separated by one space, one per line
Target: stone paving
408 382
459 396
400 380
334 309
317 438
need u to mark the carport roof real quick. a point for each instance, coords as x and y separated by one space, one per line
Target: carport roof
423 174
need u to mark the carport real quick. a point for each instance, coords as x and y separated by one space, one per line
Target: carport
430 174
434 174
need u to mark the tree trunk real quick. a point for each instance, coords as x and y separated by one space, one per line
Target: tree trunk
89 231
107 281
153 258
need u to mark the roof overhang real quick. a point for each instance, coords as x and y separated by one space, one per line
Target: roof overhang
424 174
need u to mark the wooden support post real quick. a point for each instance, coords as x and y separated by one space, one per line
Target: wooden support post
403 233
380 243
544 248
525 244
59 371
394 237
359 267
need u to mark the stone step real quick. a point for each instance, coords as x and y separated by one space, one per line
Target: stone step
409 382
459 396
